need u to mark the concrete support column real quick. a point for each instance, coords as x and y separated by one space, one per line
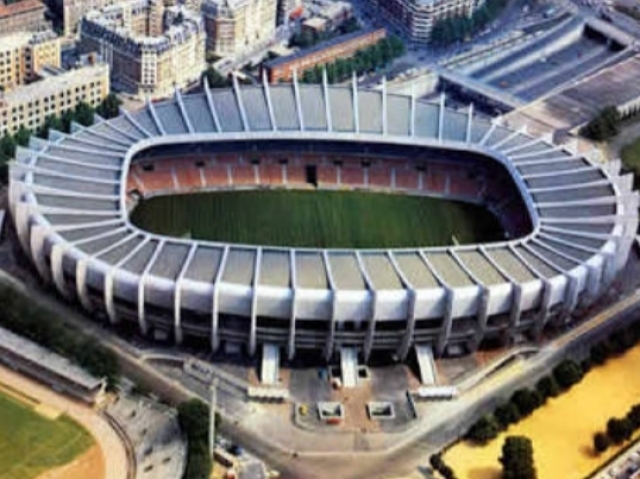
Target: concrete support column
594 280
328 350
296 93
469 123
441 117
215 335
327 100
215 319
81 284
142 320
57 253
291 344
407 339
543 313
253 332
177 313
516 307
356 110
177 297
447 323
371 327
36 240
108 297
483 315
571 294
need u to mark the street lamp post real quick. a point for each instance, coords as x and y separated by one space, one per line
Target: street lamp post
212 415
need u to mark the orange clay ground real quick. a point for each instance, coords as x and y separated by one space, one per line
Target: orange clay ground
89 465
562 430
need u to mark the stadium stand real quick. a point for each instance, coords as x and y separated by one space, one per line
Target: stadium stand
48 367
382 300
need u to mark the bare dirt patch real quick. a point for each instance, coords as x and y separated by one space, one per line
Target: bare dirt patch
89 465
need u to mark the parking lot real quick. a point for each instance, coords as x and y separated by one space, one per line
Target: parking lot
626 466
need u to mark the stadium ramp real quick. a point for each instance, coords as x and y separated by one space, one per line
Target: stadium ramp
270 367
349 367
426 365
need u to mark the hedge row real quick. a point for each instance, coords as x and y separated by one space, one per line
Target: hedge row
19 314
193 416
438 464
524 401
618 430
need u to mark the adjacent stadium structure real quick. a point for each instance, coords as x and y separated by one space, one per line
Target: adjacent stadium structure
70 199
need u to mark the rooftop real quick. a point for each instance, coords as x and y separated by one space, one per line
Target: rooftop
20 39
53 85
321 46
178 25
47 359
20 7
577 104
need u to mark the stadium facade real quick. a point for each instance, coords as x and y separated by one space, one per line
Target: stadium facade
69 199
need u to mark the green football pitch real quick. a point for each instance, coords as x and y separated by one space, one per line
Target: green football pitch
329 219
31 444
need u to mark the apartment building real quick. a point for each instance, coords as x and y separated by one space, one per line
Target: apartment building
23 54
282 68
150 49
23 16
57 92
416 18
235 25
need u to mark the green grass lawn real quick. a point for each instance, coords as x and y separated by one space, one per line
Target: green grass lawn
31 444
331 219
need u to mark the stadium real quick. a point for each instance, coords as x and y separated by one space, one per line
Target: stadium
568 224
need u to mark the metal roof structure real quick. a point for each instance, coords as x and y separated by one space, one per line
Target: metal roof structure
68 198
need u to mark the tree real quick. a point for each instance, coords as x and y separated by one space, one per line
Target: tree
526 400
397 46
22 136
603 126
51 122
193 416
436 461
83 114
620 341
308 76
305 39
601 442
349 26
485 429
517 458
548 387
8 146
567 373
110 106
215 78
634 416
23 317
619 430
507 414
331 72
67 117
599 353
211 57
